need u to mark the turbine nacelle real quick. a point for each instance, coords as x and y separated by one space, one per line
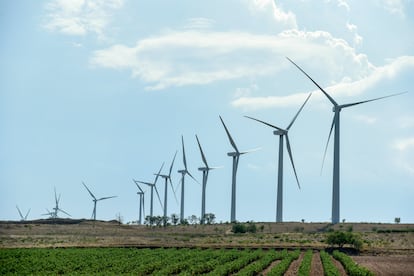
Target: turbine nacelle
280 132
232 154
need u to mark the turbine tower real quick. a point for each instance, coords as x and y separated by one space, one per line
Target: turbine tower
141 203
168 178
183 173
95 200
336 123
152 186
281 133
22 218
205 171
235 156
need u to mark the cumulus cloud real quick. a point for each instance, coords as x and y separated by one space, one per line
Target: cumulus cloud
394 7
80 17
345 88
405 153
404 144
268 8
199 57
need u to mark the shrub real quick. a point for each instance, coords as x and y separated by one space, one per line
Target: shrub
238 228
351 268
340 238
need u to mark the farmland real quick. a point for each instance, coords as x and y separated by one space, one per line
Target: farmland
83 246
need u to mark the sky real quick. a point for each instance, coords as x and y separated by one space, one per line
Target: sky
101 92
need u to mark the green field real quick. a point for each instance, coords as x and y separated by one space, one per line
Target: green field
171 261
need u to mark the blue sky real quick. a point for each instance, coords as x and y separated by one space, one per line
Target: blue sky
101 92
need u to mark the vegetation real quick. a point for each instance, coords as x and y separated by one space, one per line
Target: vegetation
283 266
240 228
306 263
350 266
341 238
328 267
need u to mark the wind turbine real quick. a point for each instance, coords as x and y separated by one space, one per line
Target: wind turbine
141 203
235 155
152 186
205 171
22 218
95 200
168 178
336 123
283 132
56 209
183 173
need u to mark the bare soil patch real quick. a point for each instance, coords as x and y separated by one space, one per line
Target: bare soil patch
316 267
294 266
341 269
387 265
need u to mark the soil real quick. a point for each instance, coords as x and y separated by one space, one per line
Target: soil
316 267
388 248
387 265
294 266
267 270
338 265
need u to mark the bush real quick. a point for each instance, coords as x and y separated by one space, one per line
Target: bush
340 238
238 228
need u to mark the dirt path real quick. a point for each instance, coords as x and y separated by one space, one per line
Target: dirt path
316 267
341 269
294 266
264 272
387 265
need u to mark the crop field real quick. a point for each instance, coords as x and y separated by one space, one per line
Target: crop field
172 261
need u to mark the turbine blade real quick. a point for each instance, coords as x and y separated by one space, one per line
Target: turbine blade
184 159
20 213
172 164
143 182
297 114
89 190
228 134
324 92
192 177
249 151
367 101
158 195
327 143
25 217
64 212
107 197
180 182
172 188
158 174
263 122
291 158
138 186
202 153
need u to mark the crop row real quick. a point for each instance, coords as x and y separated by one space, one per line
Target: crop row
113 261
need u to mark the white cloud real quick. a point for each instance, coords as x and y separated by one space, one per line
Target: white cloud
404 144
268 8
345 88
199 23
201 57
394 7
80 17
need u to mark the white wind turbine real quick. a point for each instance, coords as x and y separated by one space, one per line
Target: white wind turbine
152 186
56 209
141 194
22 218
205 171
168 178
281 133
95 200
336 123
235 156
183 173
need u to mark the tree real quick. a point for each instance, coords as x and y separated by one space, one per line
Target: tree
397 220
174 219
209 218
341 238
193 219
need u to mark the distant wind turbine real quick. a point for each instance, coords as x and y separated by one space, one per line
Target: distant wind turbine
56 209
95 200
205 171
336 123
283 132
183 173
141 194
22 218
168 178
152 186
235 155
